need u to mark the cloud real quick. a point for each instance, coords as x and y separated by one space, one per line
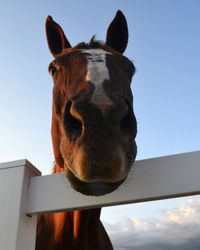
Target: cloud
177 229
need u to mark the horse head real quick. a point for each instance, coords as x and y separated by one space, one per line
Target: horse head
93 123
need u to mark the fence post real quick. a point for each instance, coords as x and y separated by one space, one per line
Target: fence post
17 230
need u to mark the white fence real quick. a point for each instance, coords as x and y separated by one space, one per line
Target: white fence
24 193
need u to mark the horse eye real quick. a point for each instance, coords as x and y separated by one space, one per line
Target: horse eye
52 70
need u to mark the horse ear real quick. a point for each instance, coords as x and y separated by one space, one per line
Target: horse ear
55 37
117 33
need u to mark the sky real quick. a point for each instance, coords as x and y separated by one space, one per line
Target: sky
164 44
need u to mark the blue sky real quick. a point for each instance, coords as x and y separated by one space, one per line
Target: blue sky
164 42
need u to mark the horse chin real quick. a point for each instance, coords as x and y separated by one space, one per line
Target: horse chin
91 188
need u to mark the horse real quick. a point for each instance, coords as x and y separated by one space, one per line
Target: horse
93 130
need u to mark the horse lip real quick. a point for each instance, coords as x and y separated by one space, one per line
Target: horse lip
94 188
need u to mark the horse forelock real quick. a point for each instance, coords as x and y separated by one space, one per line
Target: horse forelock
92 44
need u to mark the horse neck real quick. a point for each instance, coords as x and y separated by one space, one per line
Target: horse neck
80 219
69 228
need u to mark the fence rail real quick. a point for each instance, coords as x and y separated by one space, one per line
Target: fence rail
24 192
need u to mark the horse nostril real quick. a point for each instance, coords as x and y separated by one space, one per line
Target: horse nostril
73 126
128 124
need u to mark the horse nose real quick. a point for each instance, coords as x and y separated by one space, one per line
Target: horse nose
83 119
128 123
73 122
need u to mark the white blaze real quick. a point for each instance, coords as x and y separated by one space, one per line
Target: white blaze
97 73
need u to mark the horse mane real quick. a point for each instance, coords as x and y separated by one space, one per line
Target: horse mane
94 44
